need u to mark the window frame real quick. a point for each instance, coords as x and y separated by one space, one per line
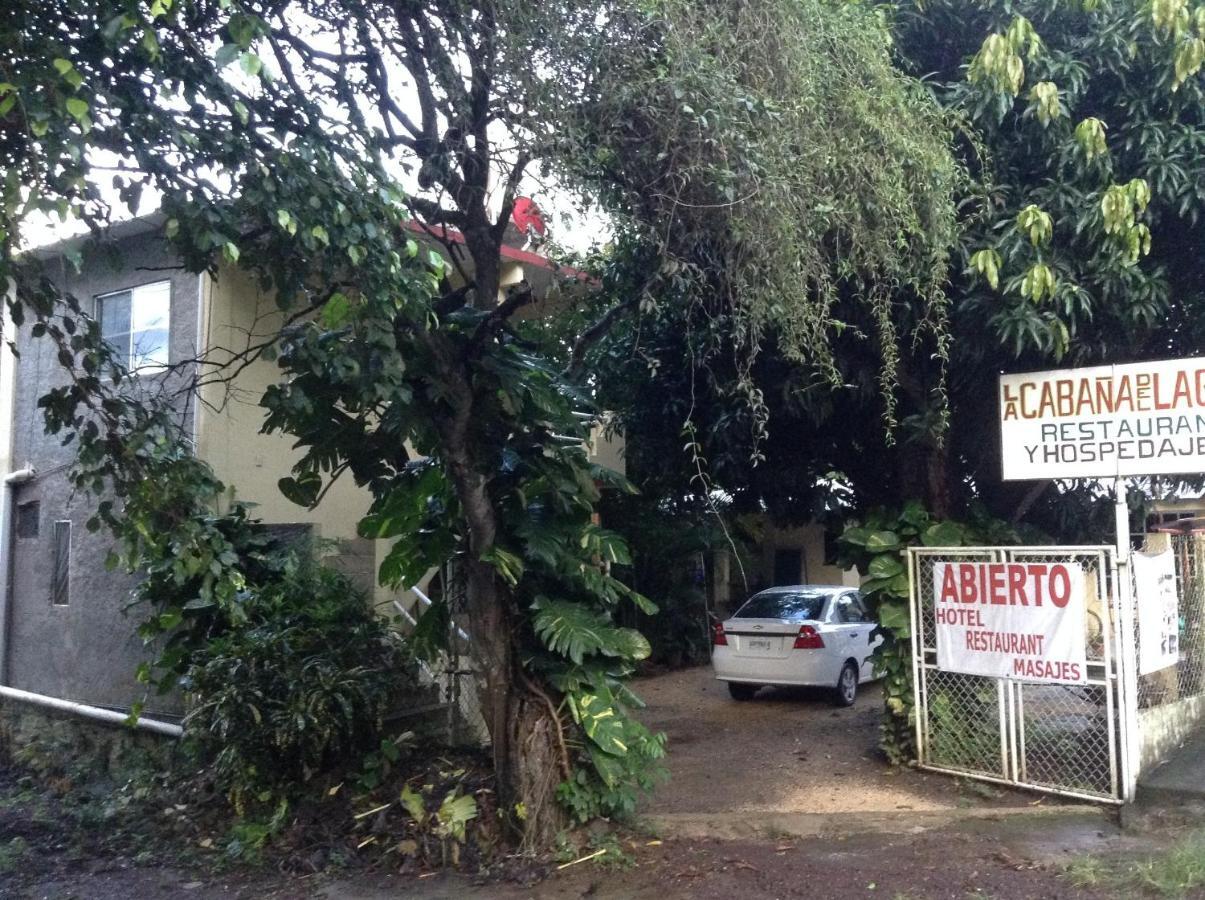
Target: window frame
855 603
21 518
60 570
127 354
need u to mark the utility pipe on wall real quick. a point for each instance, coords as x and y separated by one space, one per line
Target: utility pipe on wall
91 712
21 476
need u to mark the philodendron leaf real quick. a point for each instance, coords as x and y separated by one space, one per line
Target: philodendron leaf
301 489
601 721
575 631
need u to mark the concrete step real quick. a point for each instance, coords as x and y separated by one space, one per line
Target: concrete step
776 823
1180 779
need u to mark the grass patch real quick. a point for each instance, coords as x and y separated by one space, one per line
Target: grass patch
1176 872
11 855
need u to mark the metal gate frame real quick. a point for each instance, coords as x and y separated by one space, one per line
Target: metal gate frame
1107 674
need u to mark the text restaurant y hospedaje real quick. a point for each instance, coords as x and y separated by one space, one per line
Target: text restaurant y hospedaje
1105 421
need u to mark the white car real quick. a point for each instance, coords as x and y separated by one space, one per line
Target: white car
807 634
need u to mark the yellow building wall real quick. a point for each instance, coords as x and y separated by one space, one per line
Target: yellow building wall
235 314
809 539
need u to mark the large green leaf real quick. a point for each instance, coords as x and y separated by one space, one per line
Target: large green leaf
881 541
943 534
507 564
915 515
301 489
432 630
455 813
576 631
886 565
407 505
601 720
895 618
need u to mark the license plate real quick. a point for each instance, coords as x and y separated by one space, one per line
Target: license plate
759 644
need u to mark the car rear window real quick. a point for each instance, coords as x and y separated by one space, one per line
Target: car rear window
784 605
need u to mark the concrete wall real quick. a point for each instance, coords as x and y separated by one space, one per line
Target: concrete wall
54 743
86 650
1164 728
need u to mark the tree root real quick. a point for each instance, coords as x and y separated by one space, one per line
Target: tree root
566 768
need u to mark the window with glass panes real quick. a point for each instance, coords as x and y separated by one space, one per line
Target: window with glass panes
135 322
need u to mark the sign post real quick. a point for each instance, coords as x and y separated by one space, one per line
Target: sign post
1128 672
1108 422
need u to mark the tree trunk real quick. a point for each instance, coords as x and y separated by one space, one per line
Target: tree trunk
937 468
527 744
528 749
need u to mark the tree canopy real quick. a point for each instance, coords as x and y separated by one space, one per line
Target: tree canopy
1081 128
757 175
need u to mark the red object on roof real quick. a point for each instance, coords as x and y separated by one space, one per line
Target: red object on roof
527 216
452 236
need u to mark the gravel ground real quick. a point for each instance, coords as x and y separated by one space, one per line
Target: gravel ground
790 751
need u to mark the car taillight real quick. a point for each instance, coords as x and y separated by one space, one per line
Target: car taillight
809 639
718 638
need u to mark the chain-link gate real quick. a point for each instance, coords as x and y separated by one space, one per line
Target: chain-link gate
1062 738
449 675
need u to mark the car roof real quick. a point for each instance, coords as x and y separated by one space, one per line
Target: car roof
825 588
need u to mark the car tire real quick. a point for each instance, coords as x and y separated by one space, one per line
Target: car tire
739 691
846 691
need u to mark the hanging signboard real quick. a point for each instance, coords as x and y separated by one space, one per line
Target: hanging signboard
1158 611
1104 422
1022 620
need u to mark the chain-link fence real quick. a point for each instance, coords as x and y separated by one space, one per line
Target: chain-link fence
449 677
1057 737
1171 699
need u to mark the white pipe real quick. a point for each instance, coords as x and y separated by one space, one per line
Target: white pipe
21 476
405 612
91 712
426 601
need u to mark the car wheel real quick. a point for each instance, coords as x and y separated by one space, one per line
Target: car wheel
846 691
741 691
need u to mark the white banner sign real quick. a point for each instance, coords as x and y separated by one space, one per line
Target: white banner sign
1017 620
1158 611
1104 422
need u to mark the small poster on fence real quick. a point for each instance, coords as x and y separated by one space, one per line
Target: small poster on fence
1158 611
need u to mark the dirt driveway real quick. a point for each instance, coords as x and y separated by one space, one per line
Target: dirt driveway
789 751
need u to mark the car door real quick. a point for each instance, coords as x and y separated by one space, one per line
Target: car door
856 630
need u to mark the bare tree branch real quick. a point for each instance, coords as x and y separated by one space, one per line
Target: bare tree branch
594 333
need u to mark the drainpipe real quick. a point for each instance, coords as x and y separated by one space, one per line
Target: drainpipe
21 476
96 713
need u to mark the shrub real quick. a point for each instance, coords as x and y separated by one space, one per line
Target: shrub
298 690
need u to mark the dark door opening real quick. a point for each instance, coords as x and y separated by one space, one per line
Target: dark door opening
788 566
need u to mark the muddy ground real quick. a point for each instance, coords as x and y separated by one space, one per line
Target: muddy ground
1006 859
781 797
